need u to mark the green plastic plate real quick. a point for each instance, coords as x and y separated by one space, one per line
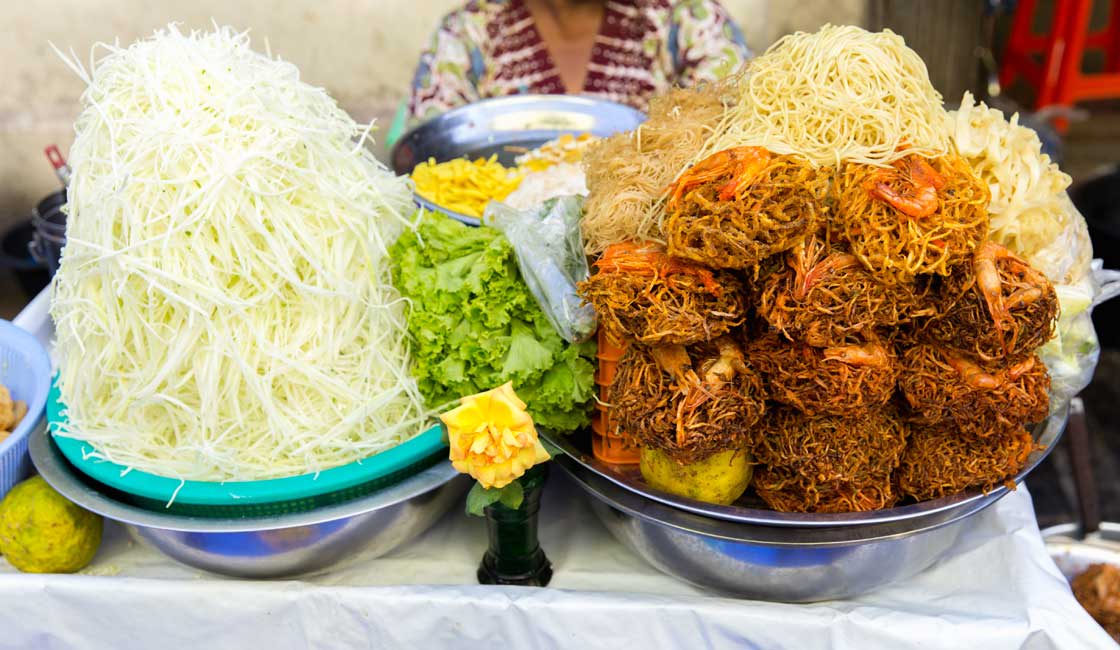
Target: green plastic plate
249 498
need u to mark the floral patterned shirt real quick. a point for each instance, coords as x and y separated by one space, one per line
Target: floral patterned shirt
492 48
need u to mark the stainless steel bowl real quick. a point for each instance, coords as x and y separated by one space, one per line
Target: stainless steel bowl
1073 554
270 547
770 562
1046 433
506 127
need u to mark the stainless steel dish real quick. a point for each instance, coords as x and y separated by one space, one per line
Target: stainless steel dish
1047 434
271 547
506 127
770 562
1074 555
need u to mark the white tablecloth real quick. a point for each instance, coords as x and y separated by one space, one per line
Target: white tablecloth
999 590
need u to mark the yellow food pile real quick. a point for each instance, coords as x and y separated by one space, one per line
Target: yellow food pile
567 148
464 186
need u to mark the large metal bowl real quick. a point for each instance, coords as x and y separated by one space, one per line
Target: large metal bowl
1046 434
506 127
770 562
269 547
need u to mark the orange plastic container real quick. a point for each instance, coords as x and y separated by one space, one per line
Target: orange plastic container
614 451
607 443
609 349
605 376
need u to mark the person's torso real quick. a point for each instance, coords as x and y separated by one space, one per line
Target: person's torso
630 61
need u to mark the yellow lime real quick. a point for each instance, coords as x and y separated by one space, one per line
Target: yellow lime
42 532
721 478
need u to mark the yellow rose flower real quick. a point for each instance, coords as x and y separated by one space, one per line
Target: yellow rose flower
492 437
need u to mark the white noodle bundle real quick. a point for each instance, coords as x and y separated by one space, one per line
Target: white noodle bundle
839 94
1030 212
224 309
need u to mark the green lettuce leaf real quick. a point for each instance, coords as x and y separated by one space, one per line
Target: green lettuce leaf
475 325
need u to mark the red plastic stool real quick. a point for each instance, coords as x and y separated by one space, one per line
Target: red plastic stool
1058 77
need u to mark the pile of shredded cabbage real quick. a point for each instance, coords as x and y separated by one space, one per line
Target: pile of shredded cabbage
224 307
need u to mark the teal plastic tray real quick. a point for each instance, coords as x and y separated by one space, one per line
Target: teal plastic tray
249 498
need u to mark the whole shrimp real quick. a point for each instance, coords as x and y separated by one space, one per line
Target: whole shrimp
868 354
975 377
717 374
652 261
741 163
910 186
985 268
809 267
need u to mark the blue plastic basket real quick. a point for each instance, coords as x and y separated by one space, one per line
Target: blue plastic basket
25 369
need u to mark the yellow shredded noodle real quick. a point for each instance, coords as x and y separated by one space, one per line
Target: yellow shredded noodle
839 94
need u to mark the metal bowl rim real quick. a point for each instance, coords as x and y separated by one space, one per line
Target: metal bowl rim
1069 529
612 496
1064 544
1053 428
496 106
56 471
430 206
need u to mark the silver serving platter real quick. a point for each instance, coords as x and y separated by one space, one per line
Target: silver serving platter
269 547
1046 433
506 127
770 562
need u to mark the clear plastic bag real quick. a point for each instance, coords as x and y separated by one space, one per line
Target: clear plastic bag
547 241
1072 355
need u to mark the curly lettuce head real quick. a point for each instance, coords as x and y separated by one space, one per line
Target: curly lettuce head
477 326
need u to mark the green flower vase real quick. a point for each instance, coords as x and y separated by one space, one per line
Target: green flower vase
514 556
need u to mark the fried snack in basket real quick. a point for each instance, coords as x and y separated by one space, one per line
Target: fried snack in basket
820 463
1002 310
641 293
839 380
688 402
942 460
823 296
739 206
1098 590
917 217
941 385
7 410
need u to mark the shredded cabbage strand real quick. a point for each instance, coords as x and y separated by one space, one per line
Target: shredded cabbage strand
224 308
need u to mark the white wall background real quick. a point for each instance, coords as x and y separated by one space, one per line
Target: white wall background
362 51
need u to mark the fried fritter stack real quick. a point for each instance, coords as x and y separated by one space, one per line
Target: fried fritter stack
851 328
